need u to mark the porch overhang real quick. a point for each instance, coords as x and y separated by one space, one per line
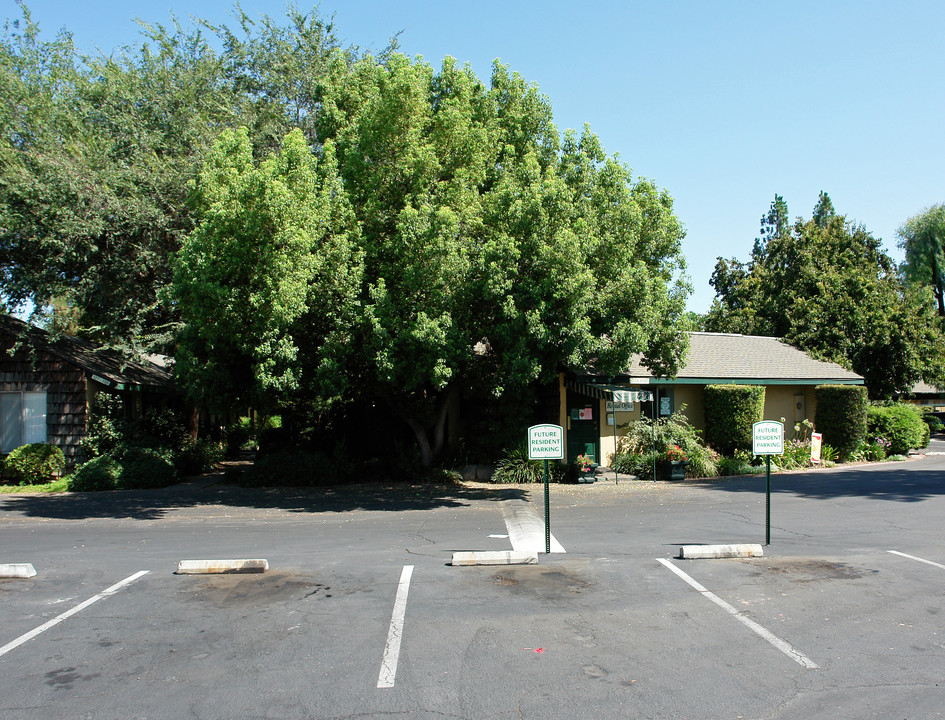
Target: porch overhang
616 393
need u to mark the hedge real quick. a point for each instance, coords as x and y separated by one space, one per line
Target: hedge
841 416
900 424
730 412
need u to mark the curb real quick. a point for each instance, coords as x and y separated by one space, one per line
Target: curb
700 552
17 570
218 567
501 557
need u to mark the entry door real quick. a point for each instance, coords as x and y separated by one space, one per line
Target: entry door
583 427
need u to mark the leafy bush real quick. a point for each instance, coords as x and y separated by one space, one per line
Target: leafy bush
638 463
901 424
106 426
828 455
35 463
99 473
150 450
158 427
738 465
935 425
126 468
872 450
796 455
730 412
516 467
247 434
145 468
841 416
198 456
674 430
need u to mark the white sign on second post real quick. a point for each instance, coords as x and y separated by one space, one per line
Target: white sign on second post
767 438
545 442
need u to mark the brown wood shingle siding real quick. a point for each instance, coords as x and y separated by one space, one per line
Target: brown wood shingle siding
65 388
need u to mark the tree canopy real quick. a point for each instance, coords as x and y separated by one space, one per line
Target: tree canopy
923 239
307 225
827 286
485 250
99 155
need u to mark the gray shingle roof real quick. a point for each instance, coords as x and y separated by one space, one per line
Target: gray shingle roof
720 356
111 365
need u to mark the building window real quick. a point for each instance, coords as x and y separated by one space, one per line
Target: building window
22 419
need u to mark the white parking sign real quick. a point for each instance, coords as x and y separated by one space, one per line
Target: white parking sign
767 438
545 442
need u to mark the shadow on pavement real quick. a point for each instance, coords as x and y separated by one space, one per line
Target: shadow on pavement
897 482
156 504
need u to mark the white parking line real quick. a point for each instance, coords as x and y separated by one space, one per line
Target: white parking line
526 529
69 613
780 644
392 650
917 559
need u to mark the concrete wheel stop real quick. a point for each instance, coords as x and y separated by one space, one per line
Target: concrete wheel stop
502 557
700 552
219 567
17 570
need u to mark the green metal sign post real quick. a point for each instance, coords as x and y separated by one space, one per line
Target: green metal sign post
547 513
768 500
546 442
767 438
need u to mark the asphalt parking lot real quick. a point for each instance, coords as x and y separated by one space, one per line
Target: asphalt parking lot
362 615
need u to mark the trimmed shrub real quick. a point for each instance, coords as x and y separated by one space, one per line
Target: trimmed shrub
126 468
143 468
841 416
730 411
198 456
99 473
935 425
33 464
900 424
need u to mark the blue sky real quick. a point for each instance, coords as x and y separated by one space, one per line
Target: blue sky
723 104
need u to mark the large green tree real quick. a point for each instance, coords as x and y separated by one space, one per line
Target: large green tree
99 154
923 239
490 252
267 283
827 286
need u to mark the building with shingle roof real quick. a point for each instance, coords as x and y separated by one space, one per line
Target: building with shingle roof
593 406
47 384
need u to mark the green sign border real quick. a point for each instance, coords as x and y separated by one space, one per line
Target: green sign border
754 439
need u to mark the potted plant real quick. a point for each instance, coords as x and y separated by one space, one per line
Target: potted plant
674 463
584 468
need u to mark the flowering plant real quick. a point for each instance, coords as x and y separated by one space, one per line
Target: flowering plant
676 454
584 461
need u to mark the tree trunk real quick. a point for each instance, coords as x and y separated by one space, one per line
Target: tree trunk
439 430
430 449
423 442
